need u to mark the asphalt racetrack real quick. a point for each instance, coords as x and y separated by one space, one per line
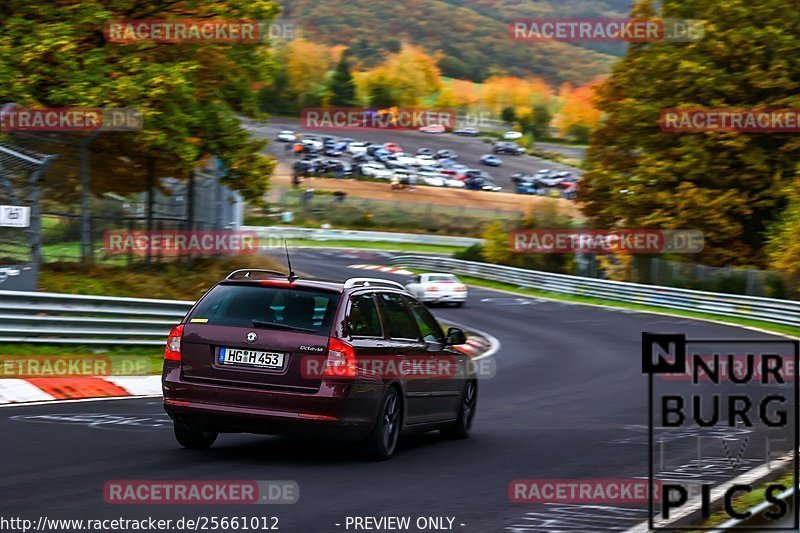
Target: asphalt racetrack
568 401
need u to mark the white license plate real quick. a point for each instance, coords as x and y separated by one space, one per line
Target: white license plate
237 356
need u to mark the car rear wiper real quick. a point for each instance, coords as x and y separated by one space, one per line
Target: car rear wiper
263 324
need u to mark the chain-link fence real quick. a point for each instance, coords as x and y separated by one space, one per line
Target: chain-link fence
21 172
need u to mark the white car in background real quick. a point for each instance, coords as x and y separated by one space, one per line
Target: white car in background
376 170
406 160
356 148
427 160
454 183
286 136
512 135
433 181
437 287
313 145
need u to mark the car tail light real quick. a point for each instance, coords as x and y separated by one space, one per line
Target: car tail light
431 288
461 288
341 361
174 341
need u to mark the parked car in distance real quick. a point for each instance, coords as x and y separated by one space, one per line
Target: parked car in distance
434 181
376 170
467 132
531 186
392 147
512 135
427 160
446 154
433 128
263 353
454 174
510 148
424 151
477 173
477 183
286 136
356 148
312 145
491 161
437 288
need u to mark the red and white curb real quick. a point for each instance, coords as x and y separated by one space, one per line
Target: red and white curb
475 346
380 268
13 391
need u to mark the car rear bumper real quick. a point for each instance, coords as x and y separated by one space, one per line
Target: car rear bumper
338 410
445 298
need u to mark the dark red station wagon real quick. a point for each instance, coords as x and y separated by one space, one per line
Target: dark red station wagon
358 360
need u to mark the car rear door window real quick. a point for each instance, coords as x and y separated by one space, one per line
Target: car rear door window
399 322
364 319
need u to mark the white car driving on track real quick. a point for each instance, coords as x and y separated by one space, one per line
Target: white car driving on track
437 287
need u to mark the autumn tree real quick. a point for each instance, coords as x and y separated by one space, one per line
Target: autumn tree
307 66
54 54
729 185
577 113
784 240
500 92
404 78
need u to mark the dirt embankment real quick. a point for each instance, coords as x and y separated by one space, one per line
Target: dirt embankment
429 195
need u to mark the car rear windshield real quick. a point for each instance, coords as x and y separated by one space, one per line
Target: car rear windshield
442 277
255 306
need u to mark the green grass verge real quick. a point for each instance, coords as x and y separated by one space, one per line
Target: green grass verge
748 500
124 360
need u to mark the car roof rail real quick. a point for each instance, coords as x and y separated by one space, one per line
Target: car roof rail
367 282
245 273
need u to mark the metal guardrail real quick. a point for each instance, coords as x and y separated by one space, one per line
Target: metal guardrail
267 233
36 317
786 312
53 318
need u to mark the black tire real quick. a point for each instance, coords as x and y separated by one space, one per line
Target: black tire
466 413
192 439
459 304
382 441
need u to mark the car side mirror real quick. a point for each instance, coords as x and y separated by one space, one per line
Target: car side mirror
455 337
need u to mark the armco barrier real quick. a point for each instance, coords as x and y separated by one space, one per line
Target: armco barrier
785 312
40 317
276 233
36 317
